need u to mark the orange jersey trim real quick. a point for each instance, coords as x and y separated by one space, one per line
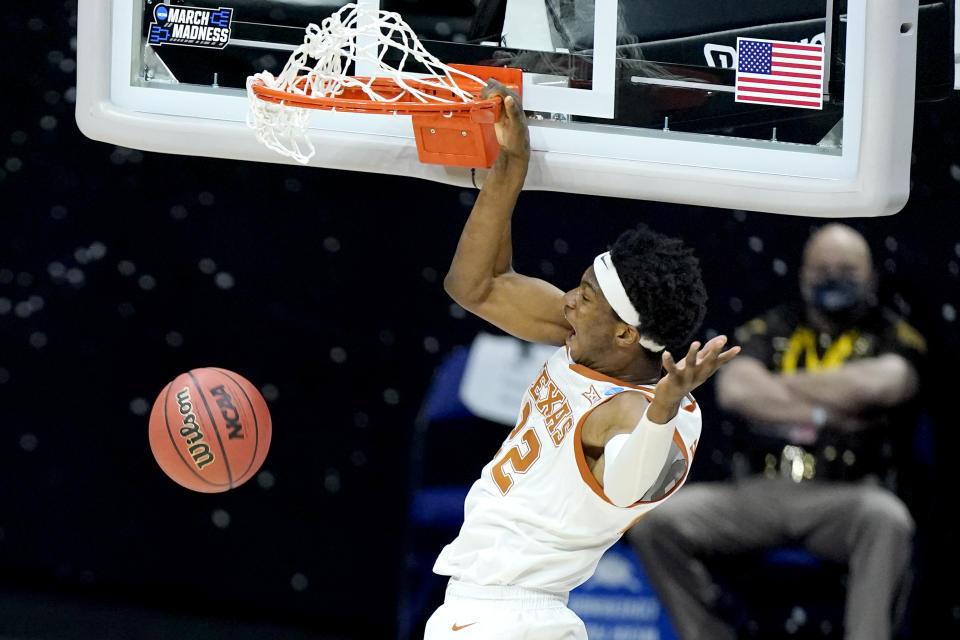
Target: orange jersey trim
646 390
635 521
591 481
587 372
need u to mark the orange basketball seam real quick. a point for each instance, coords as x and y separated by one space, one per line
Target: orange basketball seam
216 431
173 442
253 412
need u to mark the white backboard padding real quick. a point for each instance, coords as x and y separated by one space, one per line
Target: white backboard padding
869 177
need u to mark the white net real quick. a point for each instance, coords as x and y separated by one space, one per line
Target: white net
318 67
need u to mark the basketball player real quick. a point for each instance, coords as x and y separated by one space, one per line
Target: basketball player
606 431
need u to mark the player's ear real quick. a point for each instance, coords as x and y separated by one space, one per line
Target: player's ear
626 335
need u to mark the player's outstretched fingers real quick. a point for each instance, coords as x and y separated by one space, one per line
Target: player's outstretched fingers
668 363
691 359
728 354
711 350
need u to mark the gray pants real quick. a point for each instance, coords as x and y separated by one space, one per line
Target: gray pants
861 525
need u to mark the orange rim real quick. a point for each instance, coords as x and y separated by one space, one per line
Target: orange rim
354 100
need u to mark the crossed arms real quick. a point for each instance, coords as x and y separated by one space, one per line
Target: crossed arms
748 388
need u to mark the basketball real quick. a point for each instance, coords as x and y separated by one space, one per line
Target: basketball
210 430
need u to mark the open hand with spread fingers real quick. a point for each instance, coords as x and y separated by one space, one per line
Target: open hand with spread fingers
689 373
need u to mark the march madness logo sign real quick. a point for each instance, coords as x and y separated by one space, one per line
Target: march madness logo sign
190 26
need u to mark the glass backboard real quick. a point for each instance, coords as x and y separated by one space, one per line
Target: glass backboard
646 100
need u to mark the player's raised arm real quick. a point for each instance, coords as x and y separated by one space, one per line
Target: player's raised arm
638 439
481 278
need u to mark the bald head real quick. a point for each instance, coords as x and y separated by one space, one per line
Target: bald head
838 243
836 252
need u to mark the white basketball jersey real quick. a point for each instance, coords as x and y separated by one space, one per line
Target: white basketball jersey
537 517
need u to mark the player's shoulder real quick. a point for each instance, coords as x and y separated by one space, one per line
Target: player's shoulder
619 414
628 406
632 402
624 405
623 412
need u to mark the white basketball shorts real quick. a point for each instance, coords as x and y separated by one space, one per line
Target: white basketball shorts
475 612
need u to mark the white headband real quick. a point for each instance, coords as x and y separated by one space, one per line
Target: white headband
616 295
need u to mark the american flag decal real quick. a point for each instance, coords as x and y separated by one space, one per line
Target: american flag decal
785 74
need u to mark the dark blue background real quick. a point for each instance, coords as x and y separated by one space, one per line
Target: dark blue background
335 308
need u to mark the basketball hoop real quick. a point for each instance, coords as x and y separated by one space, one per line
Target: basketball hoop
452 125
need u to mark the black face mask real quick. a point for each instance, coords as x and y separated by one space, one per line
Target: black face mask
839 299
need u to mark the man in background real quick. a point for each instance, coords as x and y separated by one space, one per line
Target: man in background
822 385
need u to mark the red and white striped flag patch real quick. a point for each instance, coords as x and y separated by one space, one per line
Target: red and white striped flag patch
784 74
